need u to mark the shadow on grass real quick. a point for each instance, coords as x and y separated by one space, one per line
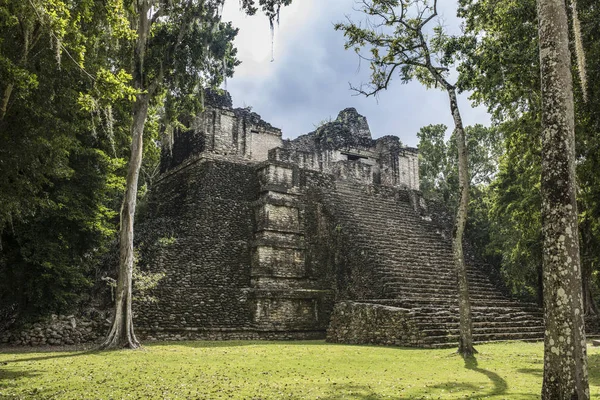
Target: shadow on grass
538 372
456 387
9 377
500 384
350 391
239 343
57 354
594 369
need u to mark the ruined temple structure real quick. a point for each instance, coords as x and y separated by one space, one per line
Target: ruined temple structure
323 236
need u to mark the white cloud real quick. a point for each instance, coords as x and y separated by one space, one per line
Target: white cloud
308 81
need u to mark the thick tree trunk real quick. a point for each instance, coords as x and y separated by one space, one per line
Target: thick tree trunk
121 334
465 341
565 359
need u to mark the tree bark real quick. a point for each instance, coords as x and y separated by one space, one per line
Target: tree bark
565 359
27 44
121 334
588 258
465 340
589 305
5 99
540 285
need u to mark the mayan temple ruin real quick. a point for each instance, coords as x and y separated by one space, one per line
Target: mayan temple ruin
322 236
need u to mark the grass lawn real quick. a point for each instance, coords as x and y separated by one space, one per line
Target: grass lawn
279 370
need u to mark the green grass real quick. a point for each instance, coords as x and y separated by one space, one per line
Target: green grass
279 370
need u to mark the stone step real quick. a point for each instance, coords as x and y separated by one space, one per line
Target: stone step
482 319
493 325
526 330
443 299
387 215
451 344
439 307
428 271
401 228
486 337
418 281
435 285
415 262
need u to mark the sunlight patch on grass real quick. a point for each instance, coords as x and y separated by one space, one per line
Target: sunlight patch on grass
279 370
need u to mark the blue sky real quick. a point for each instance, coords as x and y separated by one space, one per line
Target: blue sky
308 82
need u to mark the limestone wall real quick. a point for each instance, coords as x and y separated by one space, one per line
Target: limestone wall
198 230
221 131
231 239
342 147
408 171
290 295
365 323
58 330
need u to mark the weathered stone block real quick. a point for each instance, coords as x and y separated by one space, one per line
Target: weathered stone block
279 218
277 238
282 313
278 262
361 323
276 176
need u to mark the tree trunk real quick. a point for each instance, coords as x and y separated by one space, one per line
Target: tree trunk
5 99
540 285
22 61
565 359
465 341
587 268
121 334
589 305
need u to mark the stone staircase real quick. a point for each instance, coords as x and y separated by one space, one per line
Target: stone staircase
413 260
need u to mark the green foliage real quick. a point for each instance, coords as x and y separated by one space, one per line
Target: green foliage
166 241
500 60
40 118
188 49
516 232
143 282
67 84
434 163
438 172
48 259
397 39
438 160
501 66
270 8
60 164
304 370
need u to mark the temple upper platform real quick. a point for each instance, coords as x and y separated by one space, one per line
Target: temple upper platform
343 147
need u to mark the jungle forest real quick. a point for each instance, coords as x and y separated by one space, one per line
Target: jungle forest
116 126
